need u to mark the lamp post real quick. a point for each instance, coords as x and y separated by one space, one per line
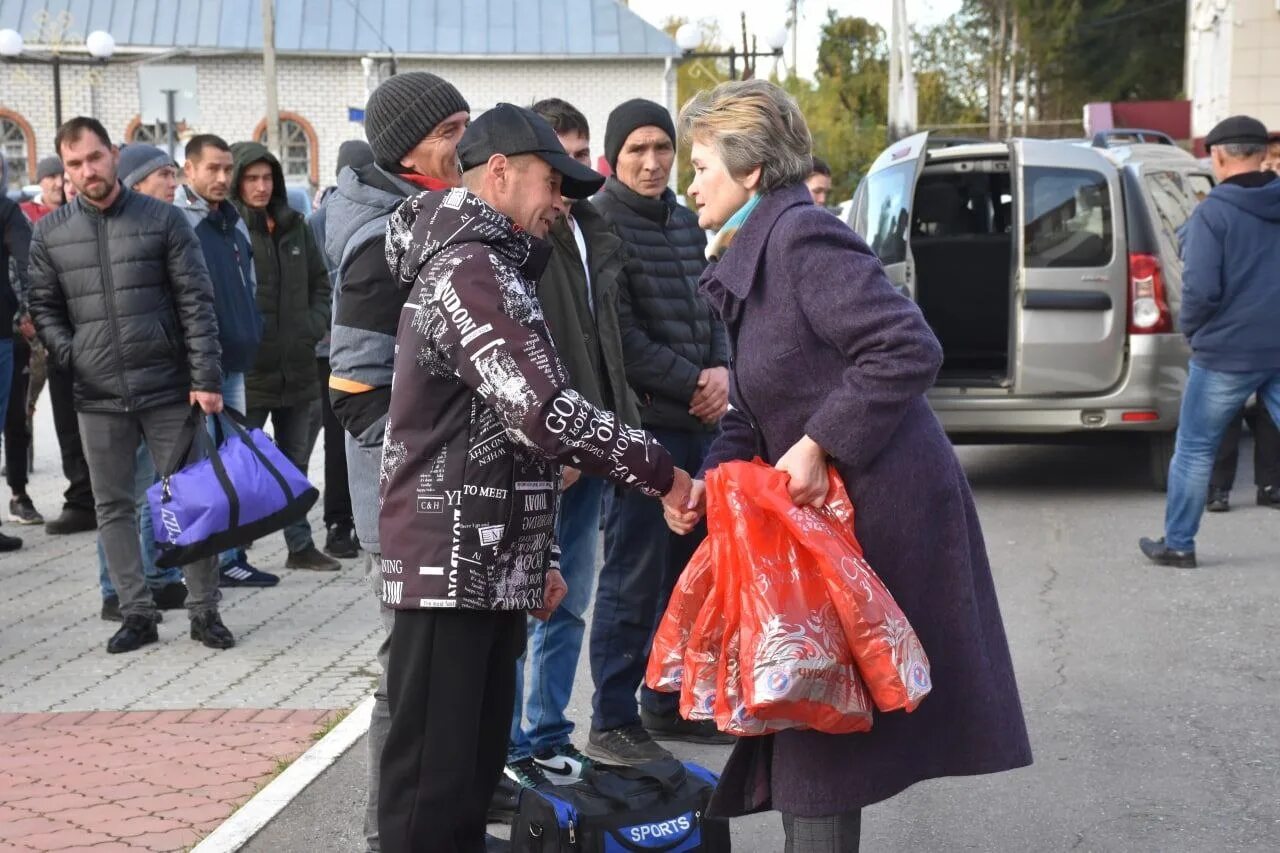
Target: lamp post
689 38
99 44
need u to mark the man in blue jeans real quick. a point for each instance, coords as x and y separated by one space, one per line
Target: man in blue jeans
1231 316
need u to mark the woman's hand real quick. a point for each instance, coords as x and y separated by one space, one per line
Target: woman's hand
806 463
683 520
568 476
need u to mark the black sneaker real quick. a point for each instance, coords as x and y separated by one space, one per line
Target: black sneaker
208 629
563 765
516 776
676 727
22 511
1219 500
72 520
240 573
625 745
111 609
341 542
171 596
136 632
312 560
9 543
1269 496
1162 555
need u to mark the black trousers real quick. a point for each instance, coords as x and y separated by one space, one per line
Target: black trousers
1266 451
337 494
75 468
451 684
16 437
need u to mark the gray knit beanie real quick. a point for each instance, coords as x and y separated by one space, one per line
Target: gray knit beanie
138 160
48 167
404 110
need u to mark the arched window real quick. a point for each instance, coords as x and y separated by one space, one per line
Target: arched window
299 148
18 147
152 134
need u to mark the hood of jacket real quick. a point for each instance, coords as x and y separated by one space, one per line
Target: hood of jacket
431 222
244 155
1261 200
362 196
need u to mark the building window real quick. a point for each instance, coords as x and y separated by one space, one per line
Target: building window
153 134
17 146
299 148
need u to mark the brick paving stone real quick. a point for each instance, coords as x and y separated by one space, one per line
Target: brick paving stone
131 827
174 839
64 838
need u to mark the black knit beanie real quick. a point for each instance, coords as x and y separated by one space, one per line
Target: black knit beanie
404 110
626 118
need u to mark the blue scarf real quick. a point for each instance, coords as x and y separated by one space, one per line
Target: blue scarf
724 237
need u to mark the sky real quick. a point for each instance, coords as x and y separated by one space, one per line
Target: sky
766 16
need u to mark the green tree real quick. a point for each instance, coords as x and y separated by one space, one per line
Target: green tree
692 76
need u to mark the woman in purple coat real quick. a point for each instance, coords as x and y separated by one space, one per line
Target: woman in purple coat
831 365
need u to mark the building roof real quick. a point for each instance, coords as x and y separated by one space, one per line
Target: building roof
436 28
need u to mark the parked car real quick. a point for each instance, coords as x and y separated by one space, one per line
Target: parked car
1049 271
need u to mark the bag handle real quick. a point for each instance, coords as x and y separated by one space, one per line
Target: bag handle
200 439
240 427
603 783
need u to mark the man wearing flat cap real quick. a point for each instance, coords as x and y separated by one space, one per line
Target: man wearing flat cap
1230 314
482 417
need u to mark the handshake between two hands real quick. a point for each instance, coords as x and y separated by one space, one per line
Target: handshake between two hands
805 463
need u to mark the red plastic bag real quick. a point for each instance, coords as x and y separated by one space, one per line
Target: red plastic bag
666 669
794 665
890 657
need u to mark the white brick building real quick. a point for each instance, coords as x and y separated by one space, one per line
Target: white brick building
593 53
1233 61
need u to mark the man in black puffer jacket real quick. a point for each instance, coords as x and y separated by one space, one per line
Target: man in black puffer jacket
121 298
676 355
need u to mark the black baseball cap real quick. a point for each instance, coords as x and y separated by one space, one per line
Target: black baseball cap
1237 130
511 130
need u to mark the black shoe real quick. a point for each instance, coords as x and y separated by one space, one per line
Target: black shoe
208 629
341 542
625 745
111 609
23 511
9 543
1162 555
135 633
1220 500
312 560
171 596
516 776
240 573
1269 496
72 520
676 727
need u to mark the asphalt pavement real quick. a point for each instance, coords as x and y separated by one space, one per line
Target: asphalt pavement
1151 694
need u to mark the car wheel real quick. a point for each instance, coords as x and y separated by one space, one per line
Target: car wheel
1159 454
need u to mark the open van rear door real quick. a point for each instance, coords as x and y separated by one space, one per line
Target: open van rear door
1071 294
881 209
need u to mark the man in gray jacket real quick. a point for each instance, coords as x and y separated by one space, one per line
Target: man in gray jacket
140 361
414 122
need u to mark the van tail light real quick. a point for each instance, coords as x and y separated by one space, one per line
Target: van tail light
1148 307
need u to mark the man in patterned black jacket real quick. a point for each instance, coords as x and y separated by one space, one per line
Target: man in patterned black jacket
481 418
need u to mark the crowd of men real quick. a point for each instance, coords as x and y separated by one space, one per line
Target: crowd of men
142 287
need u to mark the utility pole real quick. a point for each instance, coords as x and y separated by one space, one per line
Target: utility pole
795 33
269 75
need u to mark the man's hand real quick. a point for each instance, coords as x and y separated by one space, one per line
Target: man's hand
568 476
683 521
711 400
209 402
553 593
26 328
806 462
677 499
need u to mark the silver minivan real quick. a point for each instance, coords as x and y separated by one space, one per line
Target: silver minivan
1049 271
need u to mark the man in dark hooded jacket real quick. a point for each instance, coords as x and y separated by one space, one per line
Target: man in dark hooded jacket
293 298
1230 314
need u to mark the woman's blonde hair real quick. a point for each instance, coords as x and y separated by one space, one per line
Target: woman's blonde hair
752 123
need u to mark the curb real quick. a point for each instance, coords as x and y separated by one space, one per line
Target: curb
263 806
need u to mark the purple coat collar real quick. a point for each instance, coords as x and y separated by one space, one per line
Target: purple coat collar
735 273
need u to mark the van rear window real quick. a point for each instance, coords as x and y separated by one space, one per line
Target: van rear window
1068 218
888 199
